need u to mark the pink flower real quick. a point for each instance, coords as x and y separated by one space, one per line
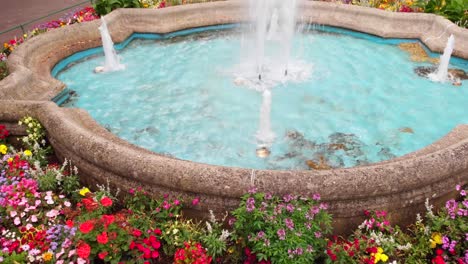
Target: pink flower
195 201
17 221
52 213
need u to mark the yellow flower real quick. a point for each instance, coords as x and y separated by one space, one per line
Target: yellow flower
436 239
3 149
380 256
84 191
27 153
10 160
47 256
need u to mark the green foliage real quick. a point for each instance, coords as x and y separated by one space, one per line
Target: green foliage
35 140
104 7
3 70
215 238
454 10
13 258
282 230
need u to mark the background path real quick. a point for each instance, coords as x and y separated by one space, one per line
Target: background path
15 12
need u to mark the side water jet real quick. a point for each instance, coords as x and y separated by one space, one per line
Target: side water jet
112 60
441 74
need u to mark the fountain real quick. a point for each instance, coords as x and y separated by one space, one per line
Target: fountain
441 74
273 21
368 108
112 61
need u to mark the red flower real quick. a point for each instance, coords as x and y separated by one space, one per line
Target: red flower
83 250
69 223
86 227
90 204
439 252
107 219
438 260
132 245
102 238
158 231
106 201
103 255
136 233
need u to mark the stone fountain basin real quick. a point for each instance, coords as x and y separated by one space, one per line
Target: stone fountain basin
399 186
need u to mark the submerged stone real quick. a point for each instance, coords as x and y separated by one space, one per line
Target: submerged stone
322 164
408 130
417 53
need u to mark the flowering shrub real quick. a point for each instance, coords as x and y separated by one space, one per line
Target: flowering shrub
46 217
3 134
443 236
81 15
192 253
282 230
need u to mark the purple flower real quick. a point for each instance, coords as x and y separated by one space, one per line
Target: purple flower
463 193
231 221
316 197
253 190
318 234
261 234
250 204
281 234
289 223
445 242
287 198
290 208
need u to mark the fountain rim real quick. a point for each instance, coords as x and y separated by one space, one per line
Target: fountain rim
394 184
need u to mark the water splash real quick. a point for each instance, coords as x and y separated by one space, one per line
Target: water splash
267 61
441 74
112 60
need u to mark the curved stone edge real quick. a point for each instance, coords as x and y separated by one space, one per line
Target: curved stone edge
399 186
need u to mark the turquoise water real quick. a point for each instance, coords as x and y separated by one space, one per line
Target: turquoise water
359 102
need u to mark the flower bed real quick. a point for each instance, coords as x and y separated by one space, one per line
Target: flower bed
47 217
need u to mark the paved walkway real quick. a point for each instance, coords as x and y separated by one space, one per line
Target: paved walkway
15 12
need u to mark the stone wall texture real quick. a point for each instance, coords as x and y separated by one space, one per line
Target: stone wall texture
399 186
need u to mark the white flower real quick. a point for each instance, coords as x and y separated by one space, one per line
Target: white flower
224 235
209 228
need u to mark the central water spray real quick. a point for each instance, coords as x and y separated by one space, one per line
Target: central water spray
273 21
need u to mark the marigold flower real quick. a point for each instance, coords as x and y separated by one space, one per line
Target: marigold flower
436 239
3 149
47 256
84 191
